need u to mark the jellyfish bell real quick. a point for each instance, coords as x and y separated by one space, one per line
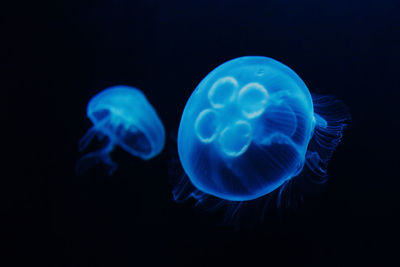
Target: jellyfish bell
124 116
253 121
249 127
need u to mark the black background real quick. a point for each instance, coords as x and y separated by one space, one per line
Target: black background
57 55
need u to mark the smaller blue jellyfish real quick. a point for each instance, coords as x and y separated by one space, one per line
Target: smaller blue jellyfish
123 115
250 127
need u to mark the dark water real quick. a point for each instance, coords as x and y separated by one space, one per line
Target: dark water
56 55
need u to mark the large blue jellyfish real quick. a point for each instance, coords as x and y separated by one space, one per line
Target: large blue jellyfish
123 115
249 127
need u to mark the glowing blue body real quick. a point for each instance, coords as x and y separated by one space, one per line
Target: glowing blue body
246 128
124 115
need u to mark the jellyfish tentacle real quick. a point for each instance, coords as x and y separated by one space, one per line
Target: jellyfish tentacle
86 162
315 163
109 164
90 134
182 190
320 121
100 136
94 158
87 138
281 192
331 118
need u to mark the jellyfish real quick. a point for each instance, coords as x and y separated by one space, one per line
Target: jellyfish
125 118
249 128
